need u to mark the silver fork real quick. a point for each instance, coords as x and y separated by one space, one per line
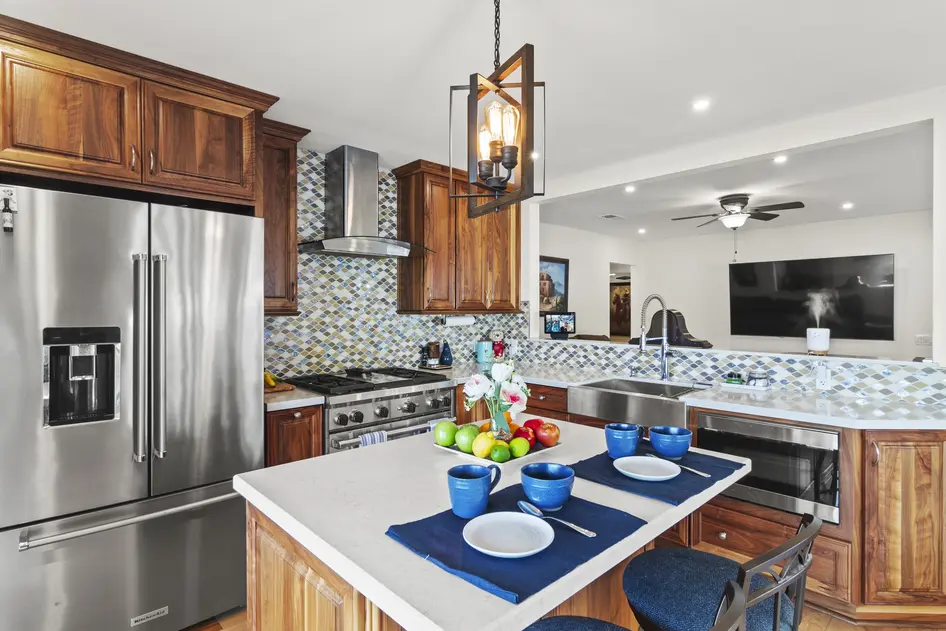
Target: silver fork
705 475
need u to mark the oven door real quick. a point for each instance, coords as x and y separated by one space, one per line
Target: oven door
794 469
344 441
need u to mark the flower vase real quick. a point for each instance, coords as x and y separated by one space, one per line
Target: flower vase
500 427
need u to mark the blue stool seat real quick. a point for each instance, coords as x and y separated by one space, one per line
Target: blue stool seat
679 589
573 623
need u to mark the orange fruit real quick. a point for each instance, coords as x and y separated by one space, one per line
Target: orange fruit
512 428
486 426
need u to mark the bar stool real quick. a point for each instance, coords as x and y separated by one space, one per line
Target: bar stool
730 616
674 589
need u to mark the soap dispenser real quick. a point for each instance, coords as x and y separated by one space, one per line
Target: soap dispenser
446 355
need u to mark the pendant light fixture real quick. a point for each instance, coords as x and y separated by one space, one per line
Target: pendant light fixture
500 132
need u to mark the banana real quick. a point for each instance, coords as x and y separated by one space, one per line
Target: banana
269 379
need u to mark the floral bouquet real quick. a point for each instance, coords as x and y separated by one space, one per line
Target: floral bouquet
504 391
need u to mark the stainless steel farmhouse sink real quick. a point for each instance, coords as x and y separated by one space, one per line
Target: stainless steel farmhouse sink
631 401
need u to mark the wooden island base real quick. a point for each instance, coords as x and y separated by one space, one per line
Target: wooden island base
289 588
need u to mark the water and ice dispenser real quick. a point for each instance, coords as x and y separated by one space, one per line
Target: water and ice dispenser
81 375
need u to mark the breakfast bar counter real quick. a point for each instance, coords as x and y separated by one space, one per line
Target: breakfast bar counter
318 554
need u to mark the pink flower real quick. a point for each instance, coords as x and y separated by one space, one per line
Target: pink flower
476 388
512 395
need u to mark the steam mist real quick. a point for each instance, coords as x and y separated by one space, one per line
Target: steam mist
822 303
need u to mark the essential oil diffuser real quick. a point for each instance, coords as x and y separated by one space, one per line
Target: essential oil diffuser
818 341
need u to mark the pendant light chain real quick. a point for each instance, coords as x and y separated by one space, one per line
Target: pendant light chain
496 34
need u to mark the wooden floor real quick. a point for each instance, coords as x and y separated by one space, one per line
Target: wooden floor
812 621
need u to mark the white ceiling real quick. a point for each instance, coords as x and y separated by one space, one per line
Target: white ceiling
621 74
884 173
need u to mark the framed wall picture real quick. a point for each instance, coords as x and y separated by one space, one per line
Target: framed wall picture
620 308
553 285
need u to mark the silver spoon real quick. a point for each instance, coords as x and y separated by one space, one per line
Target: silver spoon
533 510
705 475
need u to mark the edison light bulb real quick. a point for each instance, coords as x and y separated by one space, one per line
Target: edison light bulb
510 125
494 120
484 138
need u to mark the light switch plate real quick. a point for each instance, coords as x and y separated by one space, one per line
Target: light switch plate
924 339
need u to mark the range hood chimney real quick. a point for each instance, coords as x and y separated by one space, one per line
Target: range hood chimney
351 208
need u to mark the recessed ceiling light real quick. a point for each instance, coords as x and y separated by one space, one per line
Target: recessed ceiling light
701 105
535 155
641 231
847 206
780 159
630 188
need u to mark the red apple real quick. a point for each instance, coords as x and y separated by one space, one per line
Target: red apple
527 433
533 423
547 434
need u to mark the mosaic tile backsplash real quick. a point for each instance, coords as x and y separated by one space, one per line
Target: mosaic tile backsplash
348 305
348 317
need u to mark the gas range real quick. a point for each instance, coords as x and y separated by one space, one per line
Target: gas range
368 400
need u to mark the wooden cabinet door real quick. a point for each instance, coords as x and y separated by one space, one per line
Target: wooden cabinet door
293 435
477 414
502 253
198 143
280 262
63 114
472 266
440 232
904 517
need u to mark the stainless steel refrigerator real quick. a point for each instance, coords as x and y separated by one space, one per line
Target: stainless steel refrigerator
131 360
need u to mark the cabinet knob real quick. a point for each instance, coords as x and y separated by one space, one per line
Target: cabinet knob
541 397
297 415
722 535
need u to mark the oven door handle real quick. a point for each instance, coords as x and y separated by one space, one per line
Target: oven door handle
354 443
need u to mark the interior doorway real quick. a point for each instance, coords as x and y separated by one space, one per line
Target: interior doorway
619 302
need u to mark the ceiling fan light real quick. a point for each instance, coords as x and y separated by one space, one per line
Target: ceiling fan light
734 221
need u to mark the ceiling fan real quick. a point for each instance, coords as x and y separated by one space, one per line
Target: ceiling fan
735 215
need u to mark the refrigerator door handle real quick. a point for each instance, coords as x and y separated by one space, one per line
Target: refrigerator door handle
25 543
140 337
159 356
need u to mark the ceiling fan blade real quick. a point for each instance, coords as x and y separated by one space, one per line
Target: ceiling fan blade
783 206
763 216
707 223
694 217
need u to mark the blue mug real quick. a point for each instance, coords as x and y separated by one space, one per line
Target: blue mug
547 485
470 485
670 442
622 439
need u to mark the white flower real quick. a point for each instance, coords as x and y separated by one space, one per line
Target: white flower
520 382
477 387
502 372
513 396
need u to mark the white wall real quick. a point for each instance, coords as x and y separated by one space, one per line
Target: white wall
692 274
590 256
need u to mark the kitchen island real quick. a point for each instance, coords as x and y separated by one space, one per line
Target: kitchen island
318 557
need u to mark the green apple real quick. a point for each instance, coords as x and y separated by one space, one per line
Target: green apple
465 436
445 433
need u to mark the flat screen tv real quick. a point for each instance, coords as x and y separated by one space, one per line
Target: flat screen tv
851 295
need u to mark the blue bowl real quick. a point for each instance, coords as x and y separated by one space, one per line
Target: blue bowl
622 439
670 442
547 485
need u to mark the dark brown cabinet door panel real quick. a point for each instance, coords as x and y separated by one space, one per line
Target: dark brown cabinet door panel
293 435
67 115
198 143
471 258
440 228
502 248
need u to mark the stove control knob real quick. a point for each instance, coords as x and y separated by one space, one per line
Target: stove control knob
381 412
433 403
357 417
445 401
341 419
410 407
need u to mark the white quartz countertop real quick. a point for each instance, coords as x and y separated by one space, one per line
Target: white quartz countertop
538 374
822 408
340 505
290 399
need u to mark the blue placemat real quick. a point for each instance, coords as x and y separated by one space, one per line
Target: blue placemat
439 538
601 469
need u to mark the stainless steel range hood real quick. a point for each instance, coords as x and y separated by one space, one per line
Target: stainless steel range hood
351 208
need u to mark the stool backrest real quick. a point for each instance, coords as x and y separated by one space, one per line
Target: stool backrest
795 557
732 610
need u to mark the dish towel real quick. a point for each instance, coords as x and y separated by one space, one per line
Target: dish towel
439 539
601 469
373 438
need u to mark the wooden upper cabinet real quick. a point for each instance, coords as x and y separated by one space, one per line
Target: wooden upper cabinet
472 265
503 256
198 143
277 205
67 115
440 231
904 517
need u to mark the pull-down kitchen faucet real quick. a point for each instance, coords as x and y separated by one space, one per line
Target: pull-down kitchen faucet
664 353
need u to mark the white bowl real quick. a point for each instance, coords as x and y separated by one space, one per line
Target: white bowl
508 535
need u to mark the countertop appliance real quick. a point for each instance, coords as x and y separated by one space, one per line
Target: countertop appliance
131 373
794 469
401 401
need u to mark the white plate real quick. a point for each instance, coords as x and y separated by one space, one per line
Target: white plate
646 468
508 535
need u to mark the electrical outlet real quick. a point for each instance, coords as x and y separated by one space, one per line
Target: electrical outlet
924 339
